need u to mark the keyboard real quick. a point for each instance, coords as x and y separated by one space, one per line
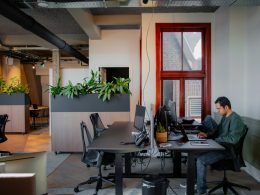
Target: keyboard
188 131
195 138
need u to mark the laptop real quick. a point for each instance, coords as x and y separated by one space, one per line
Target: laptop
189 137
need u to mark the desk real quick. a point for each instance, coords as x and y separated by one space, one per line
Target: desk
35 111
192 152
109 141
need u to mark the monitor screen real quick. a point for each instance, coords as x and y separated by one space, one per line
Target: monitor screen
139 117
172 112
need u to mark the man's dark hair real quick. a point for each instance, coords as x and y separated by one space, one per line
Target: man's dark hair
223 101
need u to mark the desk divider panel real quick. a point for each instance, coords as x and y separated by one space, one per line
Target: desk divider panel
66 115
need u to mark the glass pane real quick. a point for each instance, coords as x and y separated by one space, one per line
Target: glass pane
193 91
171 51
192 51
171 91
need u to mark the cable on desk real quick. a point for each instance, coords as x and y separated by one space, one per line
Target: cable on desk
162 158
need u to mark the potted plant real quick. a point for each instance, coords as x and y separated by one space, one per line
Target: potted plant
161 134
14 93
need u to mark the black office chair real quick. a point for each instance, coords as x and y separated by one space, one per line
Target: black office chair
97 124
94 159
3 138
234 163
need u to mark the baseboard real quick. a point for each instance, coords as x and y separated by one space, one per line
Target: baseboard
251 170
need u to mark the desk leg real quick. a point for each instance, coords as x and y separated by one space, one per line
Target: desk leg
190 174
128 163
34 122
177 164
119 174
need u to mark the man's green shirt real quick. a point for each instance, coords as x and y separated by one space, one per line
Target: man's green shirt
230 129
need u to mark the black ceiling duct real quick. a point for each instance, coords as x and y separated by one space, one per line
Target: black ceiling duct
27 22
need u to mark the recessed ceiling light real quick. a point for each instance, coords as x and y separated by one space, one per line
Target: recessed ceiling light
42 3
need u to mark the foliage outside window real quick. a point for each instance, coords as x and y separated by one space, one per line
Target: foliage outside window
105 90
14 87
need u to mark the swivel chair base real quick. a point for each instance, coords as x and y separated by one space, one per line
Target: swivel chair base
225 184
99 180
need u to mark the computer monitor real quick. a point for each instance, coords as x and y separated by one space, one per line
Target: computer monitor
139 117
172 112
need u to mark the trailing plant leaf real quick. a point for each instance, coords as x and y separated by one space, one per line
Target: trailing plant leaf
56 90
93 85
122 85
71 91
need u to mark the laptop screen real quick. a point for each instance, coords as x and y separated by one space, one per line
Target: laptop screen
139 117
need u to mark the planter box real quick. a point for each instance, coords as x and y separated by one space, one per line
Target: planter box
66 115
14 99
17 107
91 103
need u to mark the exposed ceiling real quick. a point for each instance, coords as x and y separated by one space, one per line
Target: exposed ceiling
78 21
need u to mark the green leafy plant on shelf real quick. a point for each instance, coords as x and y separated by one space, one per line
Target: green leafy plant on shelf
105 90
15 86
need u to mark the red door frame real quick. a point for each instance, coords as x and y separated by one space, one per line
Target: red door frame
204 74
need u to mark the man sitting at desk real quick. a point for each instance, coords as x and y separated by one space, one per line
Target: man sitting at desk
230 129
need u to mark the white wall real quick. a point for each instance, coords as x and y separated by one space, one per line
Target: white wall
119 48
75 75
236 60
252 63
149 57
229 59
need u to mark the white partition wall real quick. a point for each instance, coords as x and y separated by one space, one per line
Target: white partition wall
119 48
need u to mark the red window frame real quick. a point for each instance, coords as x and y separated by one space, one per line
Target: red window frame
204 74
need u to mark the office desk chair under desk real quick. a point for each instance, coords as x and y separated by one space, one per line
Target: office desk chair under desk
3 138
94 158
110 141
234 163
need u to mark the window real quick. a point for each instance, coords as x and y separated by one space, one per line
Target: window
183 67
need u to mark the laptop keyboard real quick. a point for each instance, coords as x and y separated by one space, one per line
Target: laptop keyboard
194 137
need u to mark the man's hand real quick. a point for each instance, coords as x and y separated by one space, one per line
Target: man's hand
202 135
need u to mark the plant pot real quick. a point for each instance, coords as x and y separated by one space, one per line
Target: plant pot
161 137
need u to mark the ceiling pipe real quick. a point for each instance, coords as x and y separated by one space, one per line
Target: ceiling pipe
27 22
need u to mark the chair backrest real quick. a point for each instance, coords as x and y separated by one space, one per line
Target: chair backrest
35 106
239 149
235 160
3 120
97 124
91 157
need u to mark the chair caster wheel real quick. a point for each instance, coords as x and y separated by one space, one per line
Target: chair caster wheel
76 189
